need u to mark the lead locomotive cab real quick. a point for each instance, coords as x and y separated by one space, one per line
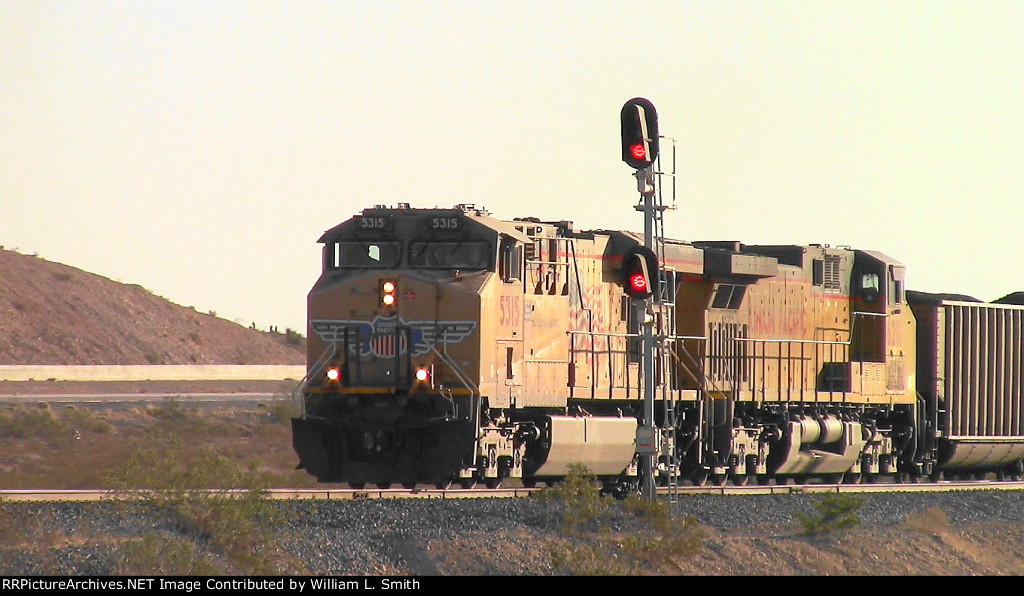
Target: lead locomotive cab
394 373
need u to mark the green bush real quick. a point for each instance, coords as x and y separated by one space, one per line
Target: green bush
836 511
207 501
592 549
153 554
22 422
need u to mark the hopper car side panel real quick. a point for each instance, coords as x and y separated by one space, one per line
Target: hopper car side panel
971 377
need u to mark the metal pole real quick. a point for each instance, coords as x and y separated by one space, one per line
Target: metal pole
645 183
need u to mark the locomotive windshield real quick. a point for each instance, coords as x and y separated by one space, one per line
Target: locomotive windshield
366 254
473 255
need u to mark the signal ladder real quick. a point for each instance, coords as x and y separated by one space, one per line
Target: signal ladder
665 306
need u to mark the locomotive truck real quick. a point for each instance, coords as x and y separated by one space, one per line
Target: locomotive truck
448 346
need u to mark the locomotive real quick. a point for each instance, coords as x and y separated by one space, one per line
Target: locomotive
448 346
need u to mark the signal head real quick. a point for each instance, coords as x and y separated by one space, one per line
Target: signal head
640 144
639 270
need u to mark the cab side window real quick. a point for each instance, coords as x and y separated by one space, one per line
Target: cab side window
869 288
511 260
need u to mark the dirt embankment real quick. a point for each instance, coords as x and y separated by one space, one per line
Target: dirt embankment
55 314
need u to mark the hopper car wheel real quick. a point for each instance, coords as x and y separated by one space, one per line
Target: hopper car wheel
467 482
443 485
763 479
739 479
719 479
936 476
529 483
383 485
1017 470
852 478
492 482
357 485
409 485
833 478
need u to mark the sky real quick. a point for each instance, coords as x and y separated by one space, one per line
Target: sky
200 148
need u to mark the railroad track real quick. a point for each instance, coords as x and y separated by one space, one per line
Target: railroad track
67 496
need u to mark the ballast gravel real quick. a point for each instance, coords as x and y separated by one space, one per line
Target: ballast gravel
390 536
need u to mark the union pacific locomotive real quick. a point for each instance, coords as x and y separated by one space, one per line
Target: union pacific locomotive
449 346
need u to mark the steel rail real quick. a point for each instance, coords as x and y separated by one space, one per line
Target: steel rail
347 494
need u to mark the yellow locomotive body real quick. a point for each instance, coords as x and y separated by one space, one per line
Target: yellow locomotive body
446 345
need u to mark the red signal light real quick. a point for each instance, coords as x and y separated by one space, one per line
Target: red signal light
640 142
639 271
638 281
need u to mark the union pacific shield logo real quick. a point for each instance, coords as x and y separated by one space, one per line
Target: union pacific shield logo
383 336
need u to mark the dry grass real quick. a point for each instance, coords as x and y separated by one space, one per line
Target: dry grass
69 447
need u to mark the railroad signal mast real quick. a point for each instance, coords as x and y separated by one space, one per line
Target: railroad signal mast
640 150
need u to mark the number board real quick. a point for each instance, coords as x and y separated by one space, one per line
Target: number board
444 224
373 223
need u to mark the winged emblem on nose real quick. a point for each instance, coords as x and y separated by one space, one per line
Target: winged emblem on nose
383 335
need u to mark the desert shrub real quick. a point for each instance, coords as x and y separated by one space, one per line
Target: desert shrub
293 337
675 535
282 410
153 554
85 420
22 422
591 548
836 511
580 498
206 500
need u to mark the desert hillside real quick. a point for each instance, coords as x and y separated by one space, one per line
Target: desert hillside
55 314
